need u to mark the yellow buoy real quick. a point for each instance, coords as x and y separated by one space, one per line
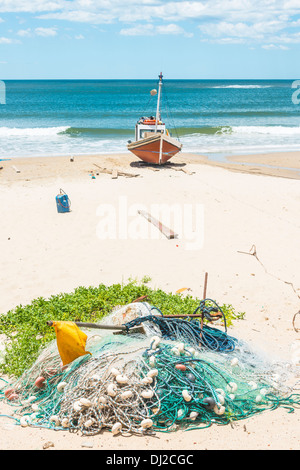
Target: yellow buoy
70 340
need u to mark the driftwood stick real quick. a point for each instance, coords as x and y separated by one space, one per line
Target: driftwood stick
120 173
165 230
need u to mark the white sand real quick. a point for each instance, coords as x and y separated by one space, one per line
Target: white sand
44 253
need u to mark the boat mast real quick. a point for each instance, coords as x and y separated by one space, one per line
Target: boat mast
158 101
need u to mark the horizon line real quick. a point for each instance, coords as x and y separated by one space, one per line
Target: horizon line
119 79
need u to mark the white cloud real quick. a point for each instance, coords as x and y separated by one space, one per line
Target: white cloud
31 6
4 40
79 36
288 38
24 32
167 11
45 32
103 11
80 16
241 30
152 30
223 21
271 25
274 46
171 29
237 9
139 30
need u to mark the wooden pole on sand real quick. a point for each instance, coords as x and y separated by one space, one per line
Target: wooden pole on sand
204 297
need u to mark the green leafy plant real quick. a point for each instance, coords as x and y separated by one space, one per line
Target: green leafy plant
27 332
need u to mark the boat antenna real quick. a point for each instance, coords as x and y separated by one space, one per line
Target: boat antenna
158 101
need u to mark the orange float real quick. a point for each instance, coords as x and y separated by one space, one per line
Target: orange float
40 382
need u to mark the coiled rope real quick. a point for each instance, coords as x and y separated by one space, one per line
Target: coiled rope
190 331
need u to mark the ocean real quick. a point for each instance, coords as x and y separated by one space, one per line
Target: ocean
211 117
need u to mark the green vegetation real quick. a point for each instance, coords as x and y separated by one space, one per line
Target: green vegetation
26 326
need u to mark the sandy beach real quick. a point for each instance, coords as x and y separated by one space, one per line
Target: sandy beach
249 201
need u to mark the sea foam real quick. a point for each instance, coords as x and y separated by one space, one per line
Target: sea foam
31 131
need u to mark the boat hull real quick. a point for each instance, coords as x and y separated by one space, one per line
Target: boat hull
157 150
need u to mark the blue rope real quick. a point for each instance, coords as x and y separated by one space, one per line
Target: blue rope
190 331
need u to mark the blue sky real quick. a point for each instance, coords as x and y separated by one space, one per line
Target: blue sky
206 39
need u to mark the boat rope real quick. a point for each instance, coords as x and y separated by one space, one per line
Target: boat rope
168 112
190 331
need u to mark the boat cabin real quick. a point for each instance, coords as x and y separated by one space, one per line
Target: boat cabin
146 126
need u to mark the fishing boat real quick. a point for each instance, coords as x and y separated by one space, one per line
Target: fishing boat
153 143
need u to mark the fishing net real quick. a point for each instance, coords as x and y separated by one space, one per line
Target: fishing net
174 375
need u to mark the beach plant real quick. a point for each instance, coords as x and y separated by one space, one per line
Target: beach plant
27 333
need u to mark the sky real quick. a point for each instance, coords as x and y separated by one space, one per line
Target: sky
136 39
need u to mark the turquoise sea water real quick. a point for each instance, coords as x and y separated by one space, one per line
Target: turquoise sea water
211 117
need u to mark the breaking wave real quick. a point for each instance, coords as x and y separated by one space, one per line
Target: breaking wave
31 131
225 130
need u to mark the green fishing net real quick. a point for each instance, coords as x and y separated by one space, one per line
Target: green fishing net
143 383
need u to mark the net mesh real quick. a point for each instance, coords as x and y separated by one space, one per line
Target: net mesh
165 379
